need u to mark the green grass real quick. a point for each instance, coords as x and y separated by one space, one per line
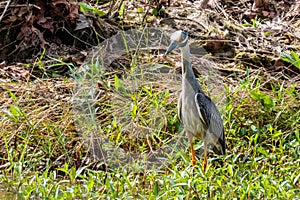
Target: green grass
44 149
262 129
44 154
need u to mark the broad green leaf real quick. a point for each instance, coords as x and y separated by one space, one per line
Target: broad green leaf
122 8
133 109
154 12
140 10
267 101
117 83
277 134
263 151
14 111
293 58
297 135
156 188
296 59
286 57
87 8
255 94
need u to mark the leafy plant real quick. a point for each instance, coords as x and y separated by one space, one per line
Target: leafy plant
293 58
265 99
122 9
255 23
84 7
157 12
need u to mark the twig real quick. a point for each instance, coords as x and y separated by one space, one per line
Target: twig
4 166
118 6
23 5
63 28
184 19
114 7
5 9
146 13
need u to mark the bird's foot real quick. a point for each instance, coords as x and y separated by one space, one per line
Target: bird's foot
204 164
193 161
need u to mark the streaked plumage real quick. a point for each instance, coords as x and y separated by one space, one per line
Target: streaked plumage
196 111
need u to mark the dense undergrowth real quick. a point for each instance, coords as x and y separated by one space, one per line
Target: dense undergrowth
44 155
262 161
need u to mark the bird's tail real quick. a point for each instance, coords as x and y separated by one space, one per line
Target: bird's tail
220 146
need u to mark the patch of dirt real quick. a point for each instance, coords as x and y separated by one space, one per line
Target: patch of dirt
239 30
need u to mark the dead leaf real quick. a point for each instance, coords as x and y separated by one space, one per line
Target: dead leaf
55 2
10 19
46 23
74 10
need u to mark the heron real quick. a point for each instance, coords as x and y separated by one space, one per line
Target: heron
196 111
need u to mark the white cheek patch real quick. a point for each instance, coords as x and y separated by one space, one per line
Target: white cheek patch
176 36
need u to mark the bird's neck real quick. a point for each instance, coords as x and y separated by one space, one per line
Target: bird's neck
187 71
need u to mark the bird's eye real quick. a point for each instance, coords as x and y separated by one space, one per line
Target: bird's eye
183 35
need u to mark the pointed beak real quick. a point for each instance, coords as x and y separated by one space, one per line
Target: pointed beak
171 47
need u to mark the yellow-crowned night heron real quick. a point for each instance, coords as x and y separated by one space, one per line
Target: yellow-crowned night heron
196 111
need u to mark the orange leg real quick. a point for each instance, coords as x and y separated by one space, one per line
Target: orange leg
193 154
205 157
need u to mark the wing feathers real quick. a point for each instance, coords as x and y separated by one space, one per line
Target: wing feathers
179 108
212 120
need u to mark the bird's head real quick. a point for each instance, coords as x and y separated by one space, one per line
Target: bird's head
178 39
